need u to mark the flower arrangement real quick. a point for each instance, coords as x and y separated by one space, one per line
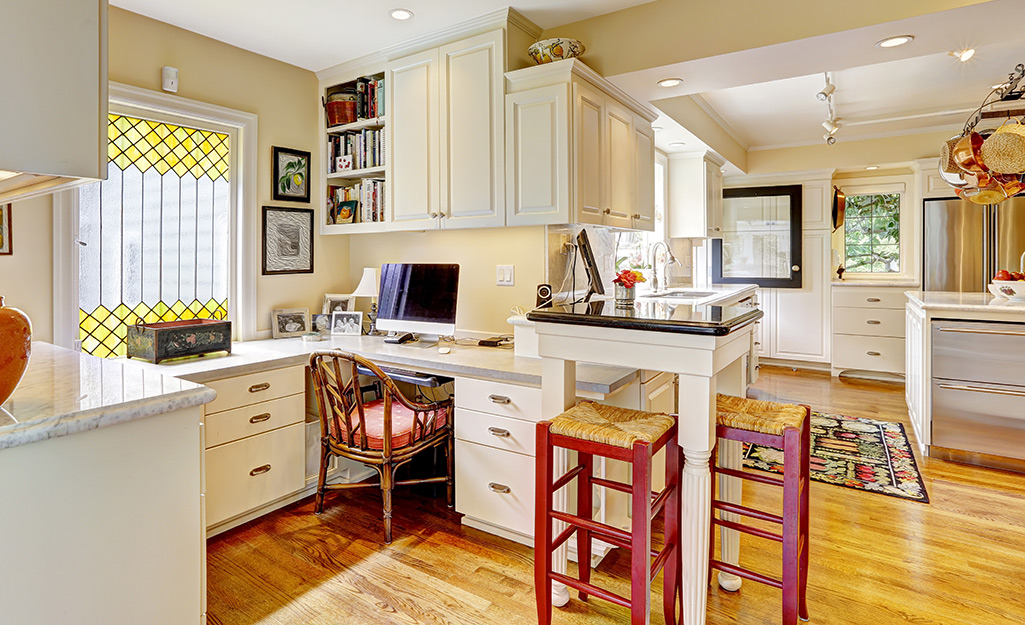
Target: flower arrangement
628 278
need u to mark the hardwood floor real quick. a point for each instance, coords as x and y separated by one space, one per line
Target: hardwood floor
874 559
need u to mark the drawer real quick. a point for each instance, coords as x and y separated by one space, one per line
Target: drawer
254 471
507 400
255 387
982 351
870 353
495 486
232 425
495 431
867 297
869 321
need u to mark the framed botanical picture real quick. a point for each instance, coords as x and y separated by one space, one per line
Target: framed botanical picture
321 324
334 302
291 175
5 229
286 322
346 322
287 240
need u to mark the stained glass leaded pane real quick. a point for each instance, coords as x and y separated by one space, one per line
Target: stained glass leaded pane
156 232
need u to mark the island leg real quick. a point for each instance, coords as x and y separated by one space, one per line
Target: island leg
731 381
559 392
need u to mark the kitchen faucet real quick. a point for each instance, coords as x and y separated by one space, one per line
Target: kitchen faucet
655 273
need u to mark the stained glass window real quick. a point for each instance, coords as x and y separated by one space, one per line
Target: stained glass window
155 236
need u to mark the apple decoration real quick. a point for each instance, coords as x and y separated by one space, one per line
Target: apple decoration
1008 276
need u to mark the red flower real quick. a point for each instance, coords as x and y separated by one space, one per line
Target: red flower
628 278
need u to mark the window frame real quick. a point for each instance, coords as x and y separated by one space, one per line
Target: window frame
244 236
873 186
796 279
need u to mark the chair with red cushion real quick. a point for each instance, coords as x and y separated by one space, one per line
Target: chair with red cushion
385 433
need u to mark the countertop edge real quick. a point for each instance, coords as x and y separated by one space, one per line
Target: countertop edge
993 305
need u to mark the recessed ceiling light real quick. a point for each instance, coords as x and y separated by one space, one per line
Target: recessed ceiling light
963 55
872 167
400 14
677 144
670 82
893 42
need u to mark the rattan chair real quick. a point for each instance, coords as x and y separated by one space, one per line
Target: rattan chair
384 433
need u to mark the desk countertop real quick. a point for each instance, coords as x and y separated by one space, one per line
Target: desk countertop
491 363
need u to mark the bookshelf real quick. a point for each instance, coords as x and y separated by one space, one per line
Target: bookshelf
355 190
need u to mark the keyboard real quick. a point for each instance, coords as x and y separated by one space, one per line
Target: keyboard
410 377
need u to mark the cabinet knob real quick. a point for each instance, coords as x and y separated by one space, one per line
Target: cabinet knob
607 211
260 470
260 418
873 322
434 215
717 228
873 353
499 488
795 268
499 399
635 216
256 388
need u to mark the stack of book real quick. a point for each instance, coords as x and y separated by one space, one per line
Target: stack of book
362 202
365 147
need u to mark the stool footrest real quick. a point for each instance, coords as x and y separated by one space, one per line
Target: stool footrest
745 475
754 531
567 478
747 574
592 526
613 484
660 559
726 506
590 589
563 537
660 500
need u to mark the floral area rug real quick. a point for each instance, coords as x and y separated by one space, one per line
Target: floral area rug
854 452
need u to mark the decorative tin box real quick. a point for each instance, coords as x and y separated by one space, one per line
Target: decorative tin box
156 342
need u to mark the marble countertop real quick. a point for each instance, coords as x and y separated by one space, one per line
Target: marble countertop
653 315
492 363
965 302
64 392
908 284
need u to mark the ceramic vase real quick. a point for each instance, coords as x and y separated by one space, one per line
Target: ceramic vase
625 296
15 348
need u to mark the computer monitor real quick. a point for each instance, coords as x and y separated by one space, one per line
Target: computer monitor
418 298
594 284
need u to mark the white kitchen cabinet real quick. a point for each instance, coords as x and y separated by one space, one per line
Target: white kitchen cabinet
53 115
600 140
695 195
412 154
868 328
916 376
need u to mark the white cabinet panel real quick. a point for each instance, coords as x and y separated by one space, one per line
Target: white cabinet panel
412 137
472 159
537 156
589 137
230 425
621 193
868 353
801 323
868 322
495 431
695 196
254 388
644 168
495 486
507 400
817 204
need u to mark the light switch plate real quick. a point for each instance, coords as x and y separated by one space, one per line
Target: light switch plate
504 275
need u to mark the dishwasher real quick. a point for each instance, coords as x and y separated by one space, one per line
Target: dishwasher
978 390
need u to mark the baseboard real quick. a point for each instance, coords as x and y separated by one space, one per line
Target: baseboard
795 364
878 376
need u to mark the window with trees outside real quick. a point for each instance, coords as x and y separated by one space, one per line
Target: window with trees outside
872 233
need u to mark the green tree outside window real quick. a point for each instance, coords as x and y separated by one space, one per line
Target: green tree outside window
872 233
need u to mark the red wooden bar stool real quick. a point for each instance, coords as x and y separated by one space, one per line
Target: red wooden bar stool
630 436
784 426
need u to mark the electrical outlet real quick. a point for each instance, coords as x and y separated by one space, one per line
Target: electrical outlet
504 275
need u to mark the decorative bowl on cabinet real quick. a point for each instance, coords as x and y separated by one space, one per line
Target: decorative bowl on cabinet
15 348
555 49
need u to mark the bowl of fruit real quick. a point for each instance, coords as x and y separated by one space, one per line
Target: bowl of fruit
1009 284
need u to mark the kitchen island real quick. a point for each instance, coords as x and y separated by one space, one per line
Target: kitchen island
101 515
707 347
966 377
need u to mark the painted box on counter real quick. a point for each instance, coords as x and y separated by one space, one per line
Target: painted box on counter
164 340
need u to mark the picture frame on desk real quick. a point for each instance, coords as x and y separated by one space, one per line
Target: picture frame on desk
321 323
289 322
347 323
337 302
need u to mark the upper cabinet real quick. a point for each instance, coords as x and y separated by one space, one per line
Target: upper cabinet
578 150
53 115
695 195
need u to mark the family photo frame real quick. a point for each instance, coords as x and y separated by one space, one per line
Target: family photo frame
289 322
347 323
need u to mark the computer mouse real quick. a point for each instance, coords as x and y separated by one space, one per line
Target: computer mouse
444 350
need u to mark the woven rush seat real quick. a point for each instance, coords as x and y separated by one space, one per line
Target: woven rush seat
609 425
756 415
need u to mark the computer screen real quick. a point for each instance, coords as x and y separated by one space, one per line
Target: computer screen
590 266
418 297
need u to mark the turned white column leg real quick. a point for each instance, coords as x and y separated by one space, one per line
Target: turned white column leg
558 392
730 456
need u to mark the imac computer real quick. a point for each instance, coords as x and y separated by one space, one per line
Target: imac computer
418 298
594 284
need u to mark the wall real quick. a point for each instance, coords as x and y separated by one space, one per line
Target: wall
482 306
283 96
885 151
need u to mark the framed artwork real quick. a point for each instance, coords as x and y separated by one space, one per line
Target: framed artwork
321 324
5 229
345 212
287 240
291 175
347 322
286 322
334 302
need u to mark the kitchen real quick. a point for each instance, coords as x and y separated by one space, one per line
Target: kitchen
801 319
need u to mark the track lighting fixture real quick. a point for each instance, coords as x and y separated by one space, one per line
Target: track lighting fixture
826 91
830 126
829 139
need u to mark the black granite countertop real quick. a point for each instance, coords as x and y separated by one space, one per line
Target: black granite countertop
658 316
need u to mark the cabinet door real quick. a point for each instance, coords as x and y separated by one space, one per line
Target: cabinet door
590 145
412 136
713 199
621 173
644 167
802 321
537 137
471 75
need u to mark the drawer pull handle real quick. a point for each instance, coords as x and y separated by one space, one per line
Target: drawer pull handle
260 470
498 431
873 322
873 299
873 353
976 389
499 488
256 388
499 399
981 331
260 418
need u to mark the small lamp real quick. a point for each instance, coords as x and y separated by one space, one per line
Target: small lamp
367 287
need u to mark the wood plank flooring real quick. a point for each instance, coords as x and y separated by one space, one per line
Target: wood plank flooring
874 559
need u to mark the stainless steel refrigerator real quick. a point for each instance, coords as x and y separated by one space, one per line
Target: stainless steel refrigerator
965 243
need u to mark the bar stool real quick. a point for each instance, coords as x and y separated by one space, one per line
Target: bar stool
784 426
631 436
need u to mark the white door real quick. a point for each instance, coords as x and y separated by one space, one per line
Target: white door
643 217
471 75
802 316
412 140
620 172
590 151
537 137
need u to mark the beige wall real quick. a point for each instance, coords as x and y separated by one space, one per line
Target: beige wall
285 99
482 305
848 154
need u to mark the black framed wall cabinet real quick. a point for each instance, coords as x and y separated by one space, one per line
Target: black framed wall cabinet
761 238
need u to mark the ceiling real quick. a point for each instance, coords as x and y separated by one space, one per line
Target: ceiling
317 34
